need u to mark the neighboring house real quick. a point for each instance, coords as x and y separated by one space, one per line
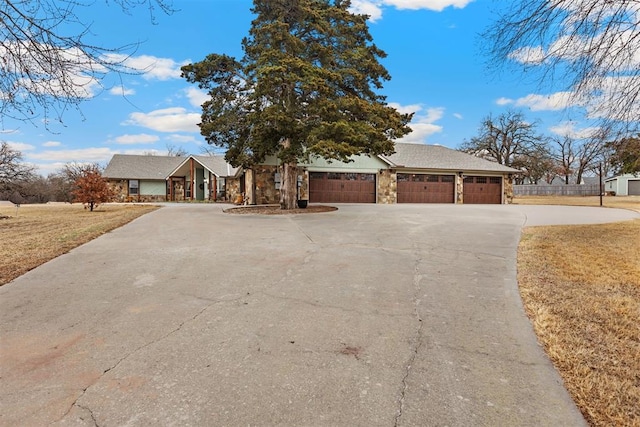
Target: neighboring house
416 173
623 185
142 178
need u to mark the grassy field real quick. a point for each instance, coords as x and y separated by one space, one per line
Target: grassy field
34 234
628 202
581 289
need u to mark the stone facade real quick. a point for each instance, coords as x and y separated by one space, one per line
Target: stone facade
121 193
387 187
265 185
508 190
232 189
459 189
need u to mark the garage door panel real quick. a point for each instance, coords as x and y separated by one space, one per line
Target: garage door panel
633 187
482 190
334 187
423 188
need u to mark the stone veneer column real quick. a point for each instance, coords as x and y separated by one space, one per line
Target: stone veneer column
303 192
387 187
249 193
459 189
508 189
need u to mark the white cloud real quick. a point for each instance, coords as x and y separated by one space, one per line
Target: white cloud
536 102
422 123
151 67
374 8
367 7
121 91
175 119
436 5
528 55
458 116
51 144
94 154
569 129
554 102
196 96
20 146
181 138
142 138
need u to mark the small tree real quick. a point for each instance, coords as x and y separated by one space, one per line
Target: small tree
92 190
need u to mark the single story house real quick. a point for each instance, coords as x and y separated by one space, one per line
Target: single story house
415 173
623 185
146 178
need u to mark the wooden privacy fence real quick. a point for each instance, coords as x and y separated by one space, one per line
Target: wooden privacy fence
557 190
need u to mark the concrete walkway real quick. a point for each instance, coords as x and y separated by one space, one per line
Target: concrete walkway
369 316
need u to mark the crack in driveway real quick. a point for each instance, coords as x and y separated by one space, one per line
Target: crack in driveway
127 356
417 340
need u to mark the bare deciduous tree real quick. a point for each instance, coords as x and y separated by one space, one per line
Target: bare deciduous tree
505 138
12 168
590 47
565 157
44 68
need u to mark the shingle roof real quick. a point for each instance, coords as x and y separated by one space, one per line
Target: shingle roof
130 166
421 156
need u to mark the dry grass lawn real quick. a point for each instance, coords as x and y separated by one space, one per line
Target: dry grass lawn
34 234
581 288
623 202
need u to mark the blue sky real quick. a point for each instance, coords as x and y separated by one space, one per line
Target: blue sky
434 59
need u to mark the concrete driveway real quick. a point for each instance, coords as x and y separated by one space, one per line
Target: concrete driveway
372 316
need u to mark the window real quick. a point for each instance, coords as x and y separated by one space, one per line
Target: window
333 175
351 176
133 186
432 178
403 177
481 180
367 177
447 178
494 180
316 175
468 180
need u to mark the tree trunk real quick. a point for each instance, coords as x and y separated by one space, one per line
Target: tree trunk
289 186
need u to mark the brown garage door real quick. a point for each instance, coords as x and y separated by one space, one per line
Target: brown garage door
634 187
482 190
422 188
330 187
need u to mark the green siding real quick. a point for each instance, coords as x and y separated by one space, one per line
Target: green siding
153 188
362 164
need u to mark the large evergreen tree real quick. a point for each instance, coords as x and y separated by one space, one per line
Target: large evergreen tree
308 85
